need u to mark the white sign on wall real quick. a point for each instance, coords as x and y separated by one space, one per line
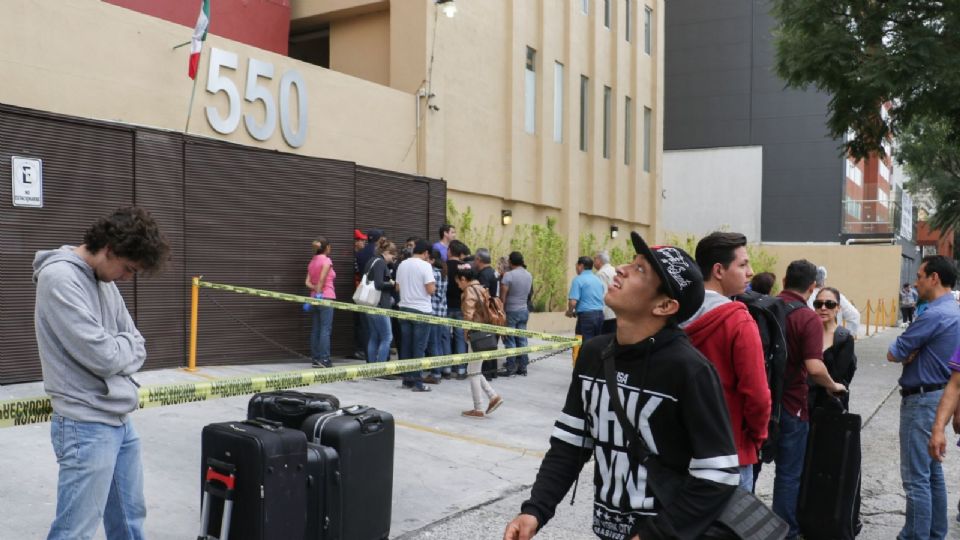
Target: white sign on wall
27 182
906 217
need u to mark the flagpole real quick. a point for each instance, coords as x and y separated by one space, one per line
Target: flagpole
193 93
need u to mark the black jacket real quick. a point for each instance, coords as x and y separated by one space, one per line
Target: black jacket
673 395
841 362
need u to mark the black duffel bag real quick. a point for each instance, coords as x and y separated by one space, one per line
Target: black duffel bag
290 407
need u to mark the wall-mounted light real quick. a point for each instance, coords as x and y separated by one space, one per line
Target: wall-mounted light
614 231
448 7
506 217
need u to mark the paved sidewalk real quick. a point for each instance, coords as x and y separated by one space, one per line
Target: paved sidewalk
454 477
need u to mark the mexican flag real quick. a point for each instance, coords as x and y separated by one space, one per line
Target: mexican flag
199 36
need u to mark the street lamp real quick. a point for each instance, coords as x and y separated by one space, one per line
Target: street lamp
448 7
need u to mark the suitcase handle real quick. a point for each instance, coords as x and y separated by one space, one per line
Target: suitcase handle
264 423
356 410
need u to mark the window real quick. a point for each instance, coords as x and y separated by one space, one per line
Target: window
607 95
584 89
606 13
854 173
627 129
647 137
628 13
884 170
557 102
585 6
647 30
883 198
530 92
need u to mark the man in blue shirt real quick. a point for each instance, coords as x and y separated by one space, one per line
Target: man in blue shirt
585 301
924 350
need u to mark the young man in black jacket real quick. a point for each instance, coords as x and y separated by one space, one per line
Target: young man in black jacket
671 395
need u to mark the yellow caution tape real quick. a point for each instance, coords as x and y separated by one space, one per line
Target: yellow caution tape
35 410
405 315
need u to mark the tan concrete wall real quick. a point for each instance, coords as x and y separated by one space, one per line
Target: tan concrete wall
360 46
861 273
134 76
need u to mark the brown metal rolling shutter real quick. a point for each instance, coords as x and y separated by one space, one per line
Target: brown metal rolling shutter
250 218
87 172
394 202
437 212
162 299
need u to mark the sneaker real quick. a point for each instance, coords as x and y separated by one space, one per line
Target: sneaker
494 404
321 364
506 373
420 388
407 384
447 375
473 413
522 372
430 379
461 376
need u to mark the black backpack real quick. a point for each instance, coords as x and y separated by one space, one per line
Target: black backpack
770 313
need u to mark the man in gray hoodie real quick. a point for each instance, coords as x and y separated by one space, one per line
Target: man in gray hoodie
89 350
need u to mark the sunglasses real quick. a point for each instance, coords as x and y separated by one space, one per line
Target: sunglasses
829 304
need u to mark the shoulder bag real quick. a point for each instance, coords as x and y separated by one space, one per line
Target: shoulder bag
367 293
744 517
482 341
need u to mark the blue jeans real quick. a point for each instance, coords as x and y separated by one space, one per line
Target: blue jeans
516 319
589 324
746 478
414 337
922 476
458 343
791 449
380 334
439 345
100 475
320 335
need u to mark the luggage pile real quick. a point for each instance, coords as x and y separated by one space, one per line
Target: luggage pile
299 466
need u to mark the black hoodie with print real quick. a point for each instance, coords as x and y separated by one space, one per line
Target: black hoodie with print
673 396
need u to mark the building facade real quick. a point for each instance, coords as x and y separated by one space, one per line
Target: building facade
314 117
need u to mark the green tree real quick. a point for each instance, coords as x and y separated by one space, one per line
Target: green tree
868 52
932 161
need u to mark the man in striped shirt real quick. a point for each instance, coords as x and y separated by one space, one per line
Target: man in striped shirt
670 394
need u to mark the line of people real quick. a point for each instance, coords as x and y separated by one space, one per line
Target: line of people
444 280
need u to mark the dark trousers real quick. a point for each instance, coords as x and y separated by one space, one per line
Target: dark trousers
589 324
907 313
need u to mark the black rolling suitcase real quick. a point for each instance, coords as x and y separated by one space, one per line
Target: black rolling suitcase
828 507
269 498
290 407
323 493
363 439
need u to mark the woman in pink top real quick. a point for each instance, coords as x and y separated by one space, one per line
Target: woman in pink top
320 276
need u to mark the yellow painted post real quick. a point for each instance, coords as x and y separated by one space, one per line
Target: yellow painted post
867 324
194 302
576 348
893 313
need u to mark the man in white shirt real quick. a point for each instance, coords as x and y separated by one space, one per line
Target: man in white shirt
416 284
606 272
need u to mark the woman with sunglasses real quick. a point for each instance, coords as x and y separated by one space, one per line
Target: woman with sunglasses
838 353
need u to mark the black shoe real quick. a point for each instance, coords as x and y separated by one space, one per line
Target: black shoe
321 364
447 375
421 388
407 384
522 372
461 376
506 373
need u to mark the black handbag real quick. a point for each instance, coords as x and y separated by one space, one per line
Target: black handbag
744 517
483 341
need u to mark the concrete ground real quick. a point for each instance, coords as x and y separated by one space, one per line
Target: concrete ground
454 477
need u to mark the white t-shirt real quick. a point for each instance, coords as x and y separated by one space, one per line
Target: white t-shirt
606 274
413 275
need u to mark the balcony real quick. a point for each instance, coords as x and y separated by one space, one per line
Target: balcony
870 218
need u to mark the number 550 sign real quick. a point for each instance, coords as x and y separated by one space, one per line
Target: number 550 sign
259 74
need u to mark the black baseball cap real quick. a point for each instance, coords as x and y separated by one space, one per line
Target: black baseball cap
678 272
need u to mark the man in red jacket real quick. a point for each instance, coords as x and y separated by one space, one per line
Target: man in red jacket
727 335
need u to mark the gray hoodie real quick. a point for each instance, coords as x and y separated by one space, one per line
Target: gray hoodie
89 346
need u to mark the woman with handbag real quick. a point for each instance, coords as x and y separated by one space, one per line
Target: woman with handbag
473 302
320 276
377 271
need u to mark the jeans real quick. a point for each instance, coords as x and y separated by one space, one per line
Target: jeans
320 335
589 324
458 341
361 332
380 335
791 449
439 345
414 337
516 319
746 478
100 475
922 476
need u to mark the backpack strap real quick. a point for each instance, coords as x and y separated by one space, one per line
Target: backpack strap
636 446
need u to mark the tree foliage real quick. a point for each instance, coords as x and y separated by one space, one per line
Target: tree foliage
932 160
868 52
